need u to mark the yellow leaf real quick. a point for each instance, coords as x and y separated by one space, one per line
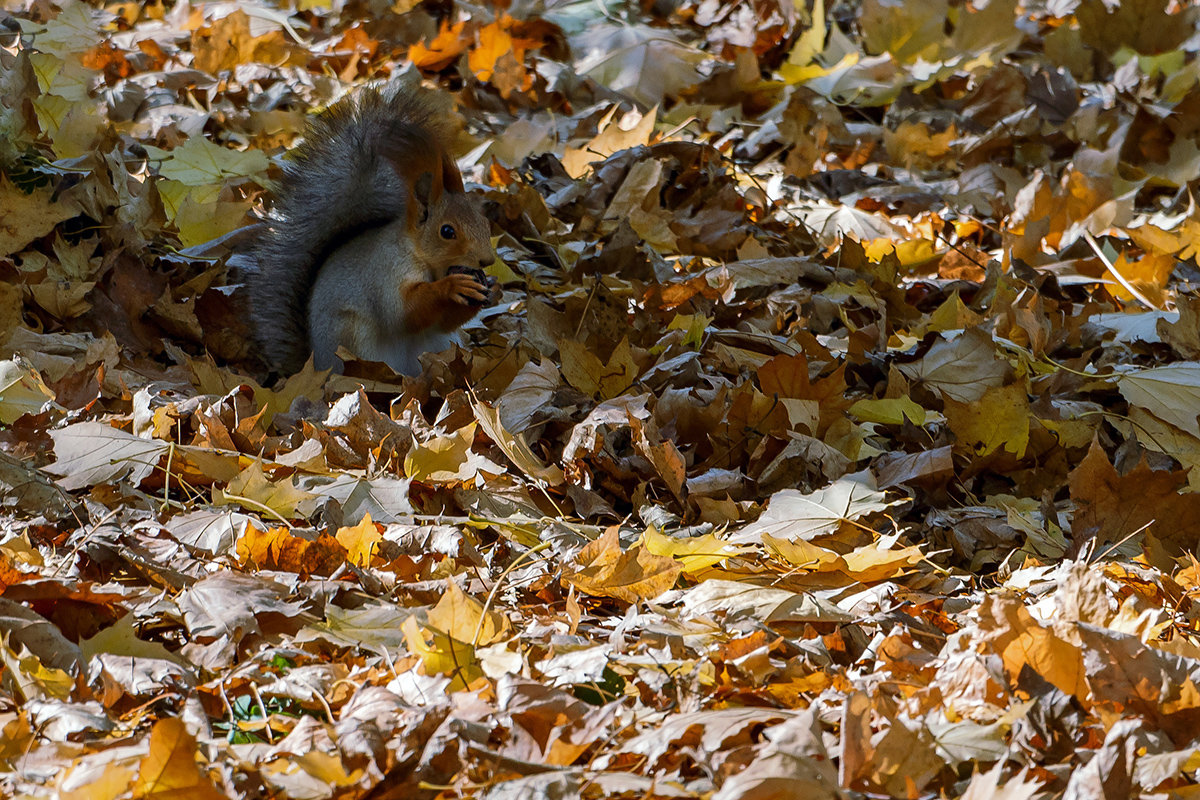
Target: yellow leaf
611 138
810 43
908 31
252 490
999 419
442 655
112 784
462 617
664 455
199 162
229 42
169 770
308 382
30 216
22 391
440 53
952 315
914 145
889 412
803 554
16 737
694 554
911 253
280 549
448 459
812 72
1148 275
30 677
494 42
693 324
361 541
326 768
588 374
1012 632
873 562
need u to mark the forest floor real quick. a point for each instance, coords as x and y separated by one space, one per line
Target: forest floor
835 433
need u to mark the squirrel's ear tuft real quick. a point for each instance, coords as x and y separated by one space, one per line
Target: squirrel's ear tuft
451 178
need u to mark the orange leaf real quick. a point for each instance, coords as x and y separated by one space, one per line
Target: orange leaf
280 549
169 770
494 42
447 46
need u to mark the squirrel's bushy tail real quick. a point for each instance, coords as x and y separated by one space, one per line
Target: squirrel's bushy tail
337 184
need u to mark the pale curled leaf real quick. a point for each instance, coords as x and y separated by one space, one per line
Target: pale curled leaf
792 514
92 452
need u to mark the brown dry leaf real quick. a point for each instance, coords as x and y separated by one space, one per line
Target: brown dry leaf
490 419
986 786
794 515
1112 507
613 137
786 338
904 761
913 144
793 763
228 43
635 575
1128 676
664 455
866 564
590 375
30 216
961 369
91 452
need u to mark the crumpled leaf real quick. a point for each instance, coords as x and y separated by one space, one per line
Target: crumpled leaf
603 569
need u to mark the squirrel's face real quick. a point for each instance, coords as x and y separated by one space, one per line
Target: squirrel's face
452 232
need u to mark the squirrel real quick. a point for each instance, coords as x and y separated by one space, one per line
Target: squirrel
373 243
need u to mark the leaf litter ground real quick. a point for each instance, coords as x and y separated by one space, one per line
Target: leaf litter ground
835 436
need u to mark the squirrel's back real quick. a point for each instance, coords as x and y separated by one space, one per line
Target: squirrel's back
353 173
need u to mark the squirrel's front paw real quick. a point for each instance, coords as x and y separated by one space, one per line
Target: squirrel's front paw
467 286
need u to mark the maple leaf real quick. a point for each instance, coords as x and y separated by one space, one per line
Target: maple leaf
636 574
170 769
1113 507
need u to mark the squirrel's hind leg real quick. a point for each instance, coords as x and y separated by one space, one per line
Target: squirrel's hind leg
329 330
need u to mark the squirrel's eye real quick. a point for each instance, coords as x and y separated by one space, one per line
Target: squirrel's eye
448 232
